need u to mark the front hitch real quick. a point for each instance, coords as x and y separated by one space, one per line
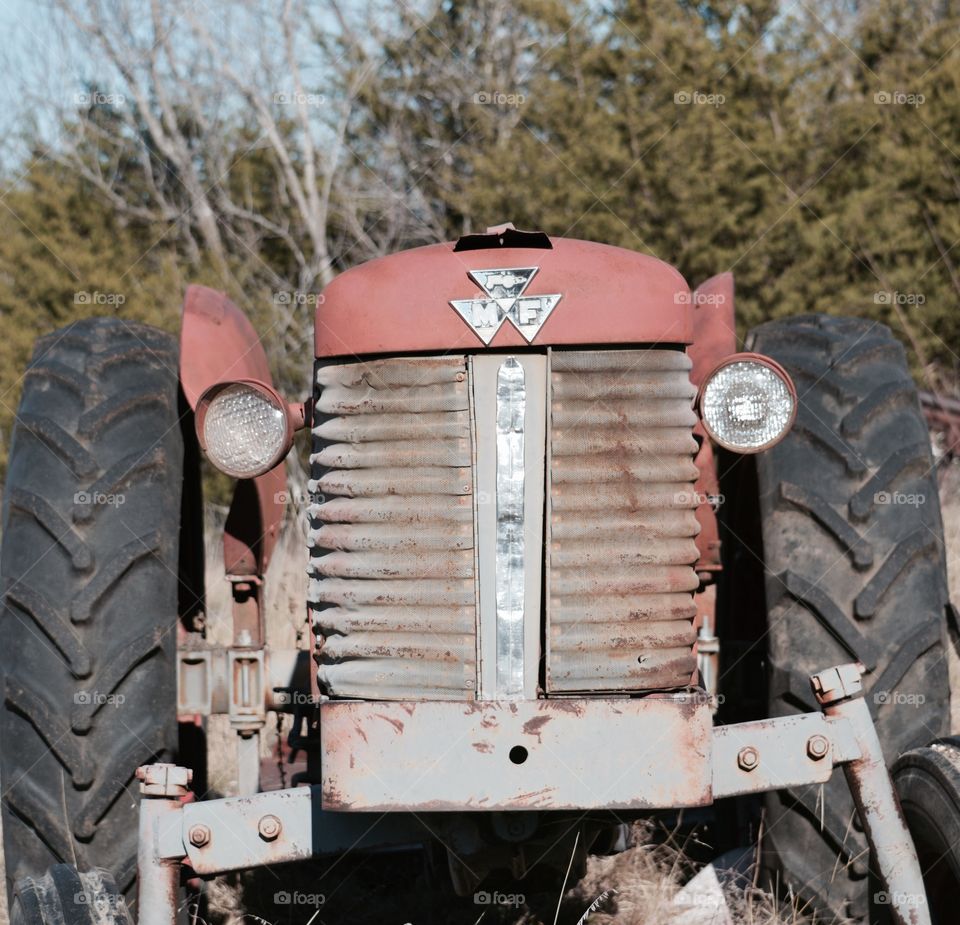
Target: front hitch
291 825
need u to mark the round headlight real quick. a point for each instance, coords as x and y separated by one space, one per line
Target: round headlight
748 403
243 427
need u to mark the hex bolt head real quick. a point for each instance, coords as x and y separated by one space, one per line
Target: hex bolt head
199 835
748 758
817 747
269 828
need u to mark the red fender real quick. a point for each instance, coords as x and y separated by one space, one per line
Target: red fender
218 343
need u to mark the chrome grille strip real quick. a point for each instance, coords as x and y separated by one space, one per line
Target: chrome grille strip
511 410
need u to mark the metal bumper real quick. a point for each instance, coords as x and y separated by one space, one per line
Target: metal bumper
539 754
436 757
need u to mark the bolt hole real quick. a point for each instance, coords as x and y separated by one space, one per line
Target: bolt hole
518 754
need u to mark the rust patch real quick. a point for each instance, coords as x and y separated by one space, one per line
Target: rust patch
567 706
397 724
485 747
532 727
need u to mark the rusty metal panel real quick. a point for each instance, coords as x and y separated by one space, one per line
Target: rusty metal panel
621 521
392 588
233 834
773 754
499 755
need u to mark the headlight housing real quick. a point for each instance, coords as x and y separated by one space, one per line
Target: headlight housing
748 403
244 427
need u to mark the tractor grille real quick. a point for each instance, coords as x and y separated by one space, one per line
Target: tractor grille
395 538
621 521
392 562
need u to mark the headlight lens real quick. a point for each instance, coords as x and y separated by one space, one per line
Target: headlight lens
245 430
748 404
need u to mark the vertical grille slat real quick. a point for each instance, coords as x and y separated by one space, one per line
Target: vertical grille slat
392 539
621 522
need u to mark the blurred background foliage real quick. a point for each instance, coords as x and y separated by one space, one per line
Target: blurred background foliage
812 149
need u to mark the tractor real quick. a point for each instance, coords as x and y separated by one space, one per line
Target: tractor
575 559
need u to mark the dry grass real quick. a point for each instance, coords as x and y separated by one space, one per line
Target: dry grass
635 887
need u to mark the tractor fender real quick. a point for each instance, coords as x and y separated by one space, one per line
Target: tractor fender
714 328
714 337
217 344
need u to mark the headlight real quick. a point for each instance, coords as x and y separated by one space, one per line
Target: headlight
748 403
244 427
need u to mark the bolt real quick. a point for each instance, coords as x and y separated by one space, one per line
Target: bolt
817 747
269 828
748 758
199 835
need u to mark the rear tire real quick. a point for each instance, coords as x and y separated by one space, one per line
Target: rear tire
89 570
854 571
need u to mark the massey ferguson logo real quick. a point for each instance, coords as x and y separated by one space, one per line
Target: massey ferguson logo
505 301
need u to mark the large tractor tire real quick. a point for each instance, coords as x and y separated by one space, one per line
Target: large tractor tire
854 570
89 568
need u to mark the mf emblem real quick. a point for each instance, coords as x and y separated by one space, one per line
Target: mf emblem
505 300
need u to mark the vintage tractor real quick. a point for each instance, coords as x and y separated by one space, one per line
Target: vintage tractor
574 558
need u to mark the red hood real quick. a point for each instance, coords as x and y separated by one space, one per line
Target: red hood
401 303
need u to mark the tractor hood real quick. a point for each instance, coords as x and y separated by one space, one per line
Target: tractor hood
504 289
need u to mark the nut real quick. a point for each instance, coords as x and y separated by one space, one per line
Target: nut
269 828
748 758
817 747
199 835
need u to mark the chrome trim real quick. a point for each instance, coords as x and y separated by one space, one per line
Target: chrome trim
511 409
